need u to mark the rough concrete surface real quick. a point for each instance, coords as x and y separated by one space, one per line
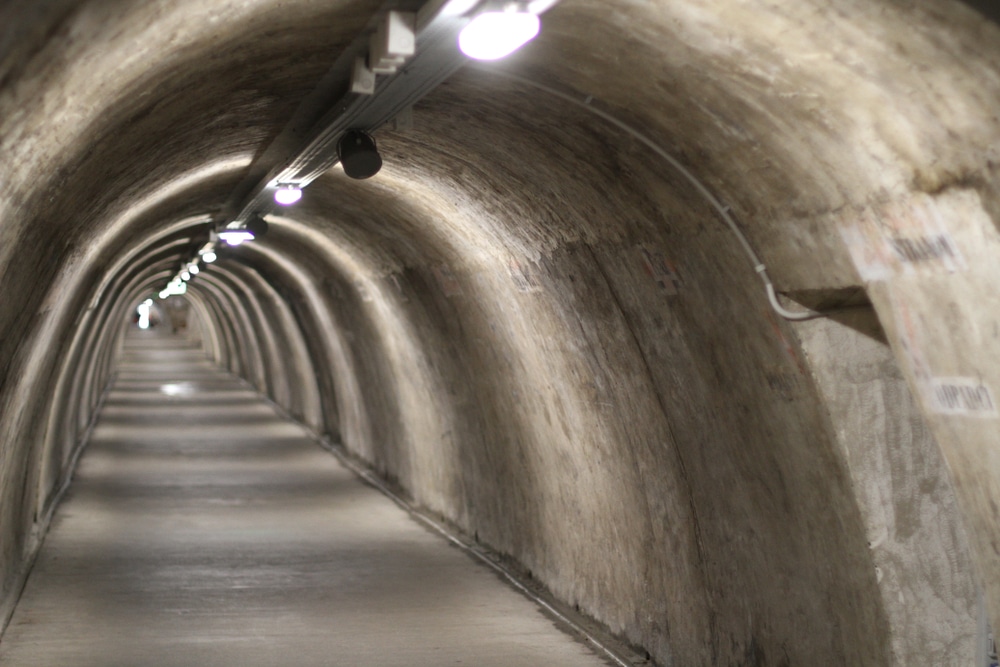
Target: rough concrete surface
539 327
202 528
919 548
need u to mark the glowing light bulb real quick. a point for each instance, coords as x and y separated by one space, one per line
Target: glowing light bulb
235 237
143 315
286 195
176 286
193 268
185 276
209 257
493 35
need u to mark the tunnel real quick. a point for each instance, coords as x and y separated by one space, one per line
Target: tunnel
685 310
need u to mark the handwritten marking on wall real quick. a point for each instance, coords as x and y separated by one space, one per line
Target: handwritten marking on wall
661 270
523 278
965 396
925 248
962 396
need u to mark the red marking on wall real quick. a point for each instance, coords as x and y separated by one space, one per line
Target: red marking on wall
661 270
785 343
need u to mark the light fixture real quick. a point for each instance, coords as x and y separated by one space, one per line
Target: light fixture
358 154
176 286
185 276
287 194
235 237
494 34
144 314
209 257
193 269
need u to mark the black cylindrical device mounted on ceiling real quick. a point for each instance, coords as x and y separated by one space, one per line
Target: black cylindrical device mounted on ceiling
256 225
358 154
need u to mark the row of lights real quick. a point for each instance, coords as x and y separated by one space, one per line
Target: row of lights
358 155
496 31
252 229
491 35
178 285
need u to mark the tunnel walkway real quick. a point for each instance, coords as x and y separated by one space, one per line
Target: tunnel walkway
203 529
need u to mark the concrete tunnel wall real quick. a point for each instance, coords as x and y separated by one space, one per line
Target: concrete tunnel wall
533 324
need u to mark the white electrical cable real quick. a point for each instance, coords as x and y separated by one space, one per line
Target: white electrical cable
722 210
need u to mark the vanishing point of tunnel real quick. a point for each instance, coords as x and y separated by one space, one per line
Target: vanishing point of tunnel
671 338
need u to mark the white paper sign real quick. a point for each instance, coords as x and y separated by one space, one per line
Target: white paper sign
901 239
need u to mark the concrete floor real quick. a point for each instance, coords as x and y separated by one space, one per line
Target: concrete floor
204 529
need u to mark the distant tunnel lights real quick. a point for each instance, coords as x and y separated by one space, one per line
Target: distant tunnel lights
144 313
496 34
174 288
286 195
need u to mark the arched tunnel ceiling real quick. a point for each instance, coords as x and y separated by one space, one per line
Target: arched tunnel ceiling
530 321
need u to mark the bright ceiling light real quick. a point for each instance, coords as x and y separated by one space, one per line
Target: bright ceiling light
176 286
144 315
286 195
235 236
185 276
209 257
193 268
493 35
